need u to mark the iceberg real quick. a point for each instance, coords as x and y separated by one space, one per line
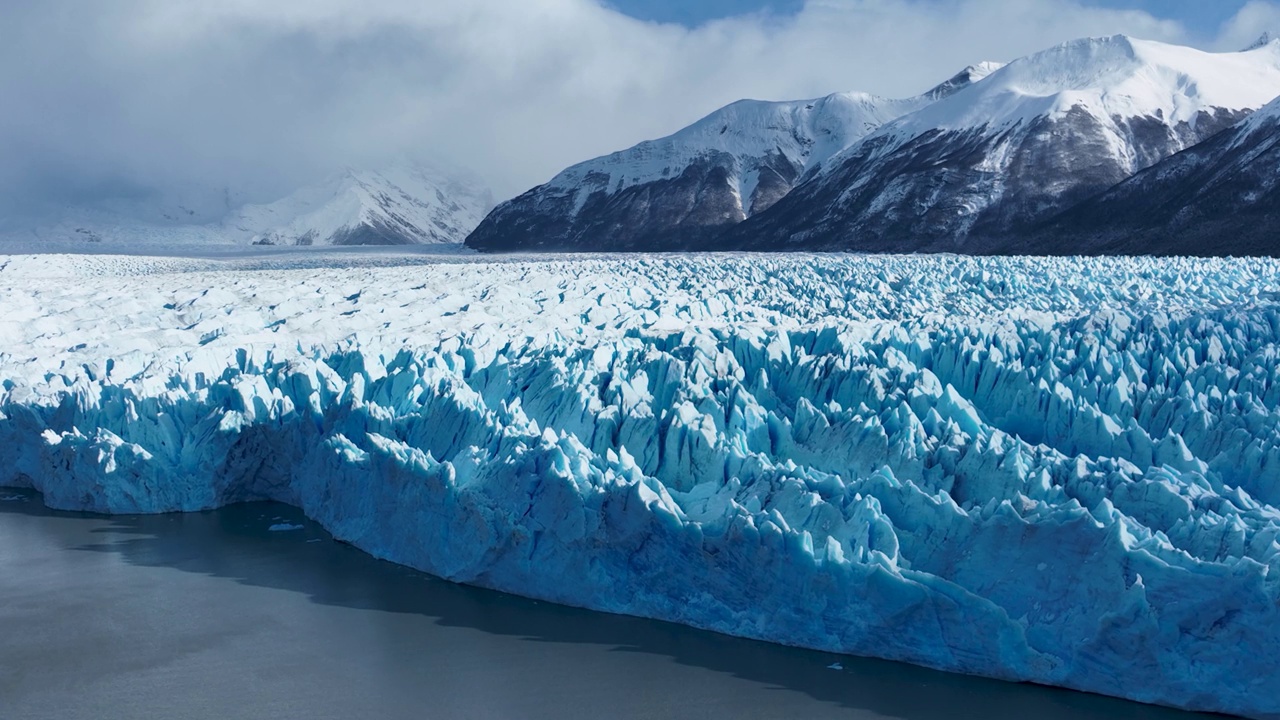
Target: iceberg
1064 471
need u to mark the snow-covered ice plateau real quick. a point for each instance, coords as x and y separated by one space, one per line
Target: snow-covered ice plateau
1064 471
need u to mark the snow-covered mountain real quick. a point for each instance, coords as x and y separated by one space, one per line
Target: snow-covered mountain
186 214
678 191
401 205
972 172
1221 197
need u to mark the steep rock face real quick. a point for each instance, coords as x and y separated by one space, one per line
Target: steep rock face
681 191
1221 197
976 171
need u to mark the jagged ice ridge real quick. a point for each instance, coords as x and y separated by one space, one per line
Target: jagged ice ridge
1058 470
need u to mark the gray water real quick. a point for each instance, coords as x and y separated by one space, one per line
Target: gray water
212 615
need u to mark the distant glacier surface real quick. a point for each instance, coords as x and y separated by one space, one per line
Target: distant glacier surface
1064 471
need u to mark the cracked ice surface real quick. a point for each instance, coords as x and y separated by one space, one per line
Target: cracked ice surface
1065 471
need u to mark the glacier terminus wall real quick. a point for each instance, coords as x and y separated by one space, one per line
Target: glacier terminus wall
1064 471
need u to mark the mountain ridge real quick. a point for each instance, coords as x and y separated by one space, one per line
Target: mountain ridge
973 170
684 188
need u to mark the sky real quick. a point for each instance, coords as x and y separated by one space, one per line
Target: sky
131 98
1201 17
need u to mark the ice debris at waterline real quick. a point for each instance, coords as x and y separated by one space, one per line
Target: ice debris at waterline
1065 471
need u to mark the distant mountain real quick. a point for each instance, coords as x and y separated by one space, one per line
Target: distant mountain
680 191
976 171
401 205
1221 197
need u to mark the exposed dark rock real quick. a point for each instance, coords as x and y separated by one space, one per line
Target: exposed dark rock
672 214
1221 197
975 192
1039 159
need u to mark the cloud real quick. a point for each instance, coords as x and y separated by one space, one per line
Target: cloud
119 97
1247 26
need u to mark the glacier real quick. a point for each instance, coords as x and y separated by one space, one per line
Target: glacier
1057 470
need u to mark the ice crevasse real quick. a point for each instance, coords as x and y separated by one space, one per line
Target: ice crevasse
1061 471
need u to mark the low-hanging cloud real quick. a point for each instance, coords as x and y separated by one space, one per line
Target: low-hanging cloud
123 96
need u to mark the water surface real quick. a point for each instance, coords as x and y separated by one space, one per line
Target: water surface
215 615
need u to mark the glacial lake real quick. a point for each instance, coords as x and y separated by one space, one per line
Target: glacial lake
217 615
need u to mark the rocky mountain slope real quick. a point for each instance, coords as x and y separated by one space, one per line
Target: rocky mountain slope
680 191
971 167
975 172
1221 197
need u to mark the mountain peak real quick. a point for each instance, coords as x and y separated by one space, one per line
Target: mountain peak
988 153
402 203
1266 39
1105 77
976 170
963 79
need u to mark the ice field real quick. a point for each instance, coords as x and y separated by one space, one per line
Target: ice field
1064 471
